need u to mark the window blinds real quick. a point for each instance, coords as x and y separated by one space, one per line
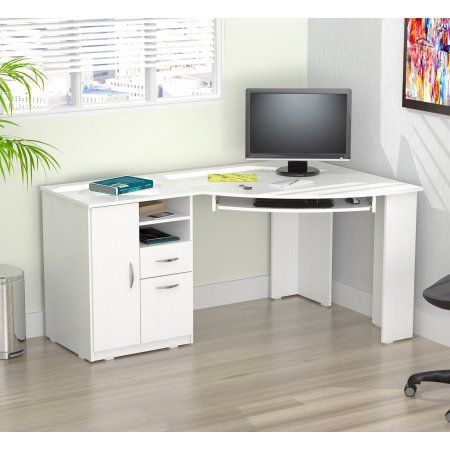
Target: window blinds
181 42
98 44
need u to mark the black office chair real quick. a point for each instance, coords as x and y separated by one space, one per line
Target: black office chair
438 295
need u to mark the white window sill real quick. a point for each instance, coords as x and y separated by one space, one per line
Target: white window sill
116 107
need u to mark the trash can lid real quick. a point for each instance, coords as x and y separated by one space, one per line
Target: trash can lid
9 274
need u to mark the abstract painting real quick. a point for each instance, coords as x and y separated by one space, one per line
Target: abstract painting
426 68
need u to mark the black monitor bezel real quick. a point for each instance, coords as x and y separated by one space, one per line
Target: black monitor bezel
306 157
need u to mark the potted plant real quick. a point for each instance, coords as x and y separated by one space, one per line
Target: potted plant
29 155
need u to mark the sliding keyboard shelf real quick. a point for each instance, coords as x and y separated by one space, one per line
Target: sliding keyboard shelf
246 204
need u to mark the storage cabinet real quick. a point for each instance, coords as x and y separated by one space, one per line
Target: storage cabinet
167 284
108 295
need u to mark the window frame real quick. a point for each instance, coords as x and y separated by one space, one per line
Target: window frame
150 90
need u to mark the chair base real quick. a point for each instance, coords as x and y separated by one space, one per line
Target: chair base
436 376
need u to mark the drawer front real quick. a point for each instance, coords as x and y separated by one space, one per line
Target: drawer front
166 307
166 259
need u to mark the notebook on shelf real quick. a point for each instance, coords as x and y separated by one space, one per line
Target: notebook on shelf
150 207
151 236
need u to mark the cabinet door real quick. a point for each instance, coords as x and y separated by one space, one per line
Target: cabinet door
167 308
115 276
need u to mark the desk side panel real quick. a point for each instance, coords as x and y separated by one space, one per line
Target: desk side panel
394 266
67 273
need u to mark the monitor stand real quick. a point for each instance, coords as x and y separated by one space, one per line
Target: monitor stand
297 169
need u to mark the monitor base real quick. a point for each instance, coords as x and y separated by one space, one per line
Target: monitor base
297 169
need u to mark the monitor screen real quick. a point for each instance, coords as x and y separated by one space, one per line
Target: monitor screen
298 124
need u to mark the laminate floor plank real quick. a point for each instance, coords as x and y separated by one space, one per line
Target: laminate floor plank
288 365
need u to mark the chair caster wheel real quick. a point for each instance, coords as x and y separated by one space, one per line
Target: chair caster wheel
410 390
447 415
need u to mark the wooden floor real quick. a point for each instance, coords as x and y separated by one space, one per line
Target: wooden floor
288 365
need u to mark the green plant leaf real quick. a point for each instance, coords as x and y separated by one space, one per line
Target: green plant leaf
27 154
23 72
4 122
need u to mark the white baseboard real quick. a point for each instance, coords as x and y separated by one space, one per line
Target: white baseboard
352 298
432 327
428 326
35 324
229 292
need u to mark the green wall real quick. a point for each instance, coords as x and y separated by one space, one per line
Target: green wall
258 53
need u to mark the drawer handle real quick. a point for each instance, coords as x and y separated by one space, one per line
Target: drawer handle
168 260
131 275
170 286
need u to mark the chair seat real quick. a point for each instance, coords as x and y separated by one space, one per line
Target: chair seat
439 293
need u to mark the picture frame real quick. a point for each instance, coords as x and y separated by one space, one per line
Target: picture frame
429 91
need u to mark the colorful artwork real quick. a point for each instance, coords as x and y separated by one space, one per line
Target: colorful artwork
426 75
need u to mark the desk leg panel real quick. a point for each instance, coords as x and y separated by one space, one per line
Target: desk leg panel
394 266
315 257
284 255
301 256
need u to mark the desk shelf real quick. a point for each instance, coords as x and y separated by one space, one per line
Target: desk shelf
173 218
246 204
182 240
180 207
178 224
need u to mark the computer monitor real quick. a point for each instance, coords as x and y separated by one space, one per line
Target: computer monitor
298 125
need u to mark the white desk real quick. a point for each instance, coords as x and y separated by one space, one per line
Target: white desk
104 292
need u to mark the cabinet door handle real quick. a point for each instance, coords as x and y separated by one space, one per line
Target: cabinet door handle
131 275
168 260
170 286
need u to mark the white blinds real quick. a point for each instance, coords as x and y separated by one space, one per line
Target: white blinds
182 42
61 45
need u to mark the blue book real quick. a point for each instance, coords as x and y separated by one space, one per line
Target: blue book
120 185
151 236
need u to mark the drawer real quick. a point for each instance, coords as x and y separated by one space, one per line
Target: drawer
166 307
166 259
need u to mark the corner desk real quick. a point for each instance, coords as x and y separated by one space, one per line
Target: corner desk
107 295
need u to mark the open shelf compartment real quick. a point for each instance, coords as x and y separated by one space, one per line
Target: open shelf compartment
179 224
173 218
180 207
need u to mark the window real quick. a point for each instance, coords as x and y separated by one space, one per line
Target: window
111 62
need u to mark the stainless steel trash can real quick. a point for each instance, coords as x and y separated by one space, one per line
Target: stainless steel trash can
12 312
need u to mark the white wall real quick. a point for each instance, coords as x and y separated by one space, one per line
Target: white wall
259 53
412 146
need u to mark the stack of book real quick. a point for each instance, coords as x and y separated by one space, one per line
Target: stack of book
120 185
151 236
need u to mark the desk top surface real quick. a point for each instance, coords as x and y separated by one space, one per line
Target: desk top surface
333 182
